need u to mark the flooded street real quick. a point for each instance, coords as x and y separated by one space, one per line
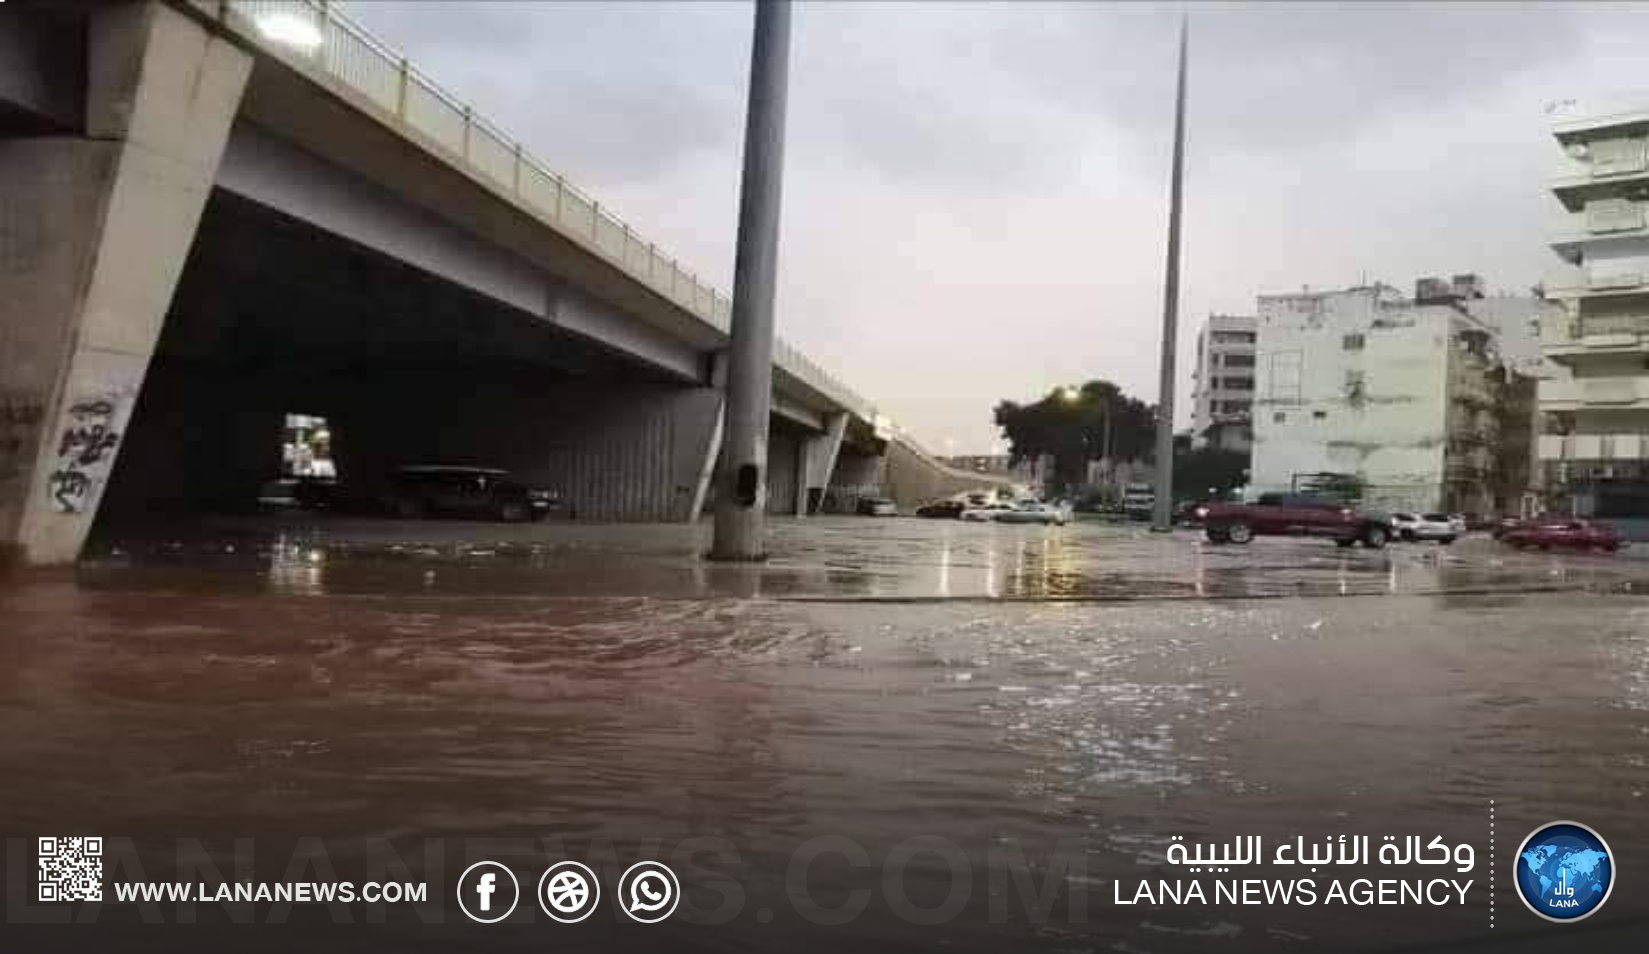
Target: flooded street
1074 696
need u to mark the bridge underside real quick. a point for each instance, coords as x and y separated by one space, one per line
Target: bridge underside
273 316
199 241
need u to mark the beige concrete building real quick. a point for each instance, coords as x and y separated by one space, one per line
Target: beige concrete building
1594 449
1407 402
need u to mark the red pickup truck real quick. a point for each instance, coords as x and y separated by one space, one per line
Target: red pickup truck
1293 515
1563 532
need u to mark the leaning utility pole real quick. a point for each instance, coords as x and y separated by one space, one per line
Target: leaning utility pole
741 481
1162 512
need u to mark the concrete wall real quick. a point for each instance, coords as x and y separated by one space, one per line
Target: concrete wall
93 235
616 451
784 449
1377 411
912 478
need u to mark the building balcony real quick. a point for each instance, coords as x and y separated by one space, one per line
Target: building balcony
1599 222
1568 281
1602 393
1571 341
1592 447
1617 113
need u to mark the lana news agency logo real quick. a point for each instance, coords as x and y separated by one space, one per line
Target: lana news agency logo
1565 871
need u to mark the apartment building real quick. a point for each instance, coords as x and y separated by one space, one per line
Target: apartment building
1408 400
1222 398
1594 445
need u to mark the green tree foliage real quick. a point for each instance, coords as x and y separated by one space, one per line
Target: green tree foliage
1073 428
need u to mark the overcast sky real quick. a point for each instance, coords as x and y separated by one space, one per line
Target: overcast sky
975 194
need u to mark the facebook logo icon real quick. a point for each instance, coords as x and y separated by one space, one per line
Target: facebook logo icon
488 891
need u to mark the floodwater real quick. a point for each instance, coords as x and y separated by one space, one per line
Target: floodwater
948 698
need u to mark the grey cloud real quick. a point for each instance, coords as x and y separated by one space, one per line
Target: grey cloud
1279 76
974 171
606 92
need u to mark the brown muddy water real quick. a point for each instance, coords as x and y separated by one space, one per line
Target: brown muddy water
924 721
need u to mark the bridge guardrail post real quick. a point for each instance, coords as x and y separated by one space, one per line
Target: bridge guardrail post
403 77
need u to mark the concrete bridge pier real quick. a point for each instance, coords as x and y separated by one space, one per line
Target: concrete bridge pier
94 230
816 462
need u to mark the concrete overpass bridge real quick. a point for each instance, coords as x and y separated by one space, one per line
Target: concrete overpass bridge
215 213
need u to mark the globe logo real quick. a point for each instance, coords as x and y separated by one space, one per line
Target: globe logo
1564 871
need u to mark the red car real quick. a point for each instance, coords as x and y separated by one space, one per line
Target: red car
1293 515
1566 532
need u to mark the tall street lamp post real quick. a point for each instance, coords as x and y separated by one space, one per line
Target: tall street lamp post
741 478
1162 510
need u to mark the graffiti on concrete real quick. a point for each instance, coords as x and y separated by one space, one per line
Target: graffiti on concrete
85 451
20 417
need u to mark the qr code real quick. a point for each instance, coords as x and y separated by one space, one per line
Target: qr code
71 869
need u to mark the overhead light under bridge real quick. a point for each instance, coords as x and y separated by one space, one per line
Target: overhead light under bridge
289 28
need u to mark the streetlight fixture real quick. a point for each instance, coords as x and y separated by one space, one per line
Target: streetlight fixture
289 29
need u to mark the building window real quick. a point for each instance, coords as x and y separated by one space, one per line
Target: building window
1319 415
1239 361
1352 342
1279 418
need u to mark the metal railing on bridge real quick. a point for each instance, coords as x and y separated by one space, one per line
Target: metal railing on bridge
317 38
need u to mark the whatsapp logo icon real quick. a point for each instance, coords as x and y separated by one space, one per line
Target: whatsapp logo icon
649 892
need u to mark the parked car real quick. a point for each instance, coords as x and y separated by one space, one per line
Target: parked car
1427 526
987 512
942 510
1294 515
421 490
1031 511
877 507
1565 533
305 493
1138 500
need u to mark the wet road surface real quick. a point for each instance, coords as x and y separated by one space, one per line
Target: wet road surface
1075 696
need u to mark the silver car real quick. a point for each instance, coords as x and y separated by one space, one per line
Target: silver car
1032 511
1427 526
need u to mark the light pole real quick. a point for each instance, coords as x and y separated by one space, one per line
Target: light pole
1162 509
741 479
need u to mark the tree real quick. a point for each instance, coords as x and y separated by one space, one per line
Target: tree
1075 427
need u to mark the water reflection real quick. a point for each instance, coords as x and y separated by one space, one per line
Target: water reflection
844 559
495 686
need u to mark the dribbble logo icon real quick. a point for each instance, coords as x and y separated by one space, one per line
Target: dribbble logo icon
649 891
1565 871
488 891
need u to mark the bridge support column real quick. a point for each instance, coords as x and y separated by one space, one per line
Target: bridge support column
818 460
94 231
